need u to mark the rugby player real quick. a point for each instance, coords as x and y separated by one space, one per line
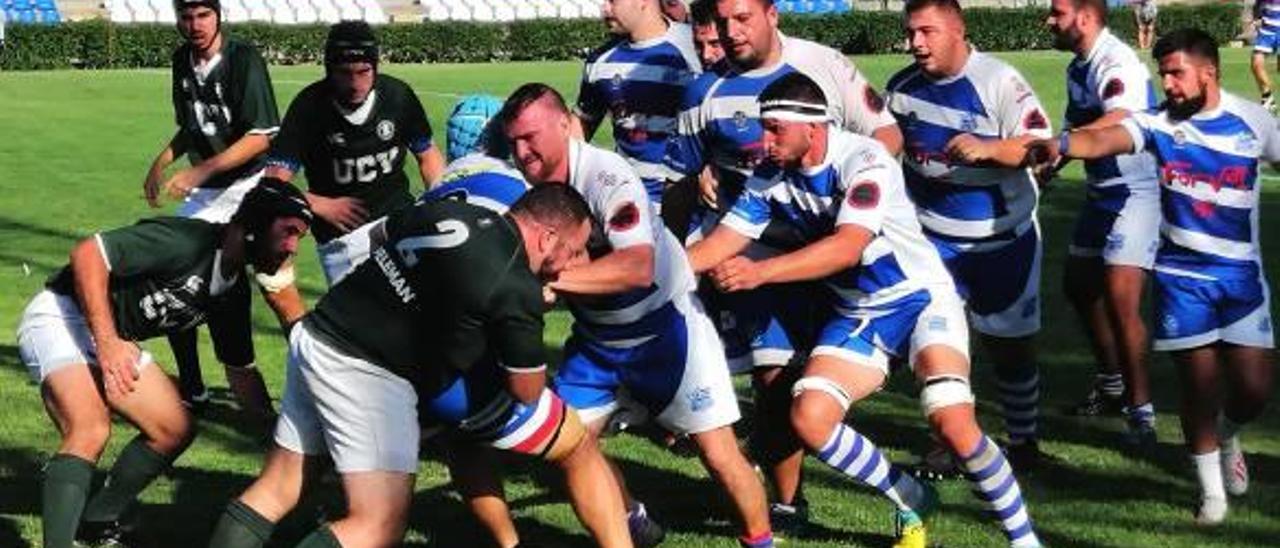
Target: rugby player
79 339
1212 305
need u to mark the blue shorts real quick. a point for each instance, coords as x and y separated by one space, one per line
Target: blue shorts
875 336
764 327
1118 225
999 281
676 369
1193 312
1266 42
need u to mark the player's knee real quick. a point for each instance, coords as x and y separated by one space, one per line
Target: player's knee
86 440
172 435
947 402
819 404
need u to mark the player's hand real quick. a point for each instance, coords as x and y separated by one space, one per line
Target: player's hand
118 360
967 148
708 189
184 182
737 274
151 187
344 212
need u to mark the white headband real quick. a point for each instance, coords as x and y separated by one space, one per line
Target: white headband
793 111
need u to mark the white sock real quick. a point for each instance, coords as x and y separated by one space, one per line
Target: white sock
1209 471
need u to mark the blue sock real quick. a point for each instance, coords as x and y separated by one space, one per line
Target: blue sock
1019 402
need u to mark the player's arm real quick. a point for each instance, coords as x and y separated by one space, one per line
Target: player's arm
516 331
245 148
971 149
280 290
1087 144
418 139
117 358
430 166
618 271
177 146
839 251
722 244
589 110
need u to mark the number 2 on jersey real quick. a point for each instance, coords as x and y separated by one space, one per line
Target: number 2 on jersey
452 233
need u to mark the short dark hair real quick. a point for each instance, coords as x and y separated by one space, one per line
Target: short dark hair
1191 41
1096 6
526 95
553 204
952 6
794 87
702 12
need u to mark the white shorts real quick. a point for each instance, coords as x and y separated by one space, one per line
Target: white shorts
678 373
217 205
365 416
341 255
53 334
1120 223
873 340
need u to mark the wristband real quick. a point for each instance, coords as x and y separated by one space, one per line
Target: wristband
1063 143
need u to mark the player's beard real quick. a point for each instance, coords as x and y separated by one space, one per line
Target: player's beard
1186 108
1066 40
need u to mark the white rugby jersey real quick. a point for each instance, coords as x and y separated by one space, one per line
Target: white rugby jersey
1209 186
720 120
622 210
988 99
1111 77
857 183
640 85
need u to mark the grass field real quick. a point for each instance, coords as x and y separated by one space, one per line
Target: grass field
73 150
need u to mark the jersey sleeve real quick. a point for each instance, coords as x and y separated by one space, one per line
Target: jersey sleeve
257 113
289 146
1138 124
1123 87
749 214
1019 109
864 186
1268 128
149 247
685 153
862 108
417 128
591 105
515 326
622 208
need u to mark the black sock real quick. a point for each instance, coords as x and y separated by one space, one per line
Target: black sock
240 527
186 355
136 467
66 486
320 538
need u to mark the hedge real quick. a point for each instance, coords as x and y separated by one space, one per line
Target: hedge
99 44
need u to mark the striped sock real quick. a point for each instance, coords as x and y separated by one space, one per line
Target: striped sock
762 540
1109 384
1019 402
993 483
1142 415
855 456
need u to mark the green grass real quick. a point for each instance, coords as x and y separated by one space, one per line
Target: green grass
73 150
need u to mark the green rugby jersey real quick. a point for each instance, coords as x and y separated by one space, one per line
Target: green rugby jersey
163 276
214 108
358 154
451 286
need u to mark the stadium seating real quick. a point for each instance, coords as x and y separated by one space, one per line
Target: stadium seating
280 12
28 12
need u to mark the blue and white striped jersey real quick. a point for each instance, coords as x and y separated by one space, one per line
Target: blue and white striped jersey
990 100
1111 77
1209 186
720 116
857 183
640 85
479 180
623 213
1269 10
